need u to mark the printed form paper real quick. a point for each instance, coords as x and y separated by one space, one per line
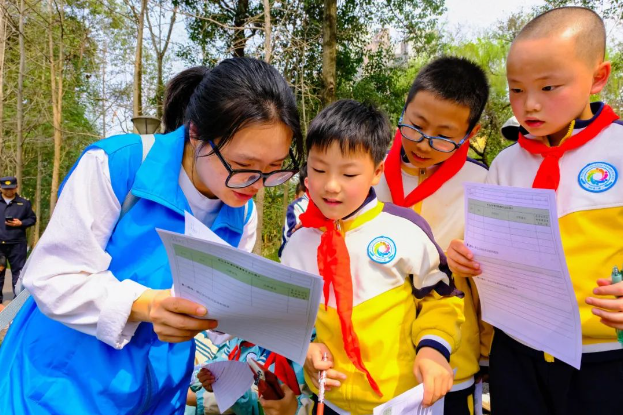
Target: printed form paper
232 380
409 403
253 298
525 288
195 228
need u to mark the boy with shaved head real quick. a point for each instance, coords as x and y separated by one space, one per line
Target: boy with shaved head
575 147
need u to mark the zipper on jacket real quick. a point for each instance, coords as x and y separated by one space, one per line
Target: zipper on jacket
147 399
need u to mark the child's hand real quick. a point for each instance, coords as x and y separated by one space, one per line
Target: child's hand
285 406
314 364
612 313
206 378
461 260
433 370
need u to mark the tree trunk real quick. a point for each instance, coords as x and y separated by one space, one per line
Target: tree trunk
268 49
159 88
20 99
56 79
37 229
329 51
104 54
239 41
301 75
137 89
259 198
259 205
161 50
3 24
286 199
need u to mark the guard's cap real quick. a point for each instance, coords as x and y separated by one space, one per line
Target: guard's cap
9 182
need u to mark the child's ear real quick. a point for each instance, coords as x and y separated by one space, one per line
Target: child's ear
600 77
474 131
378 172
306 182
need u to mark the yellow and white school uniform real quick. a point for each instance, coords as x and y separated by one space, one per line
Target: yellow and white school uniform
590 214
397 274
444 211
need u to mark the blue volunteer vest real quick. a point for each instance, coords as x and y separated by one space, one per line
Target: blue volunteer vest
49 368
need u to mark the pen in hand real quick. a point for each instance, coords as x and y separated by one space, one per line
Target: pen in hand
322 378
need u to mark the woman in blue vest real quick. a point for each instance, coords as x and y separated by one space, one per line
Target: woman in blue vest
102 333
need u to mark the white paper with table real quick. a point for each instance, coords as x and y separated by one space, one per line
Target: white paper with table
409 403
525 288
253 298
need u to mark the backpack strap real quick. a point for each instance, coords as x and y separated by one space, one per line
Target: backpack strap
130 200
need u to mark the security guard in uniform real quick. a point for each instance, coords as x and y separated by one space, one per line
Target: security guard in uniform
15 216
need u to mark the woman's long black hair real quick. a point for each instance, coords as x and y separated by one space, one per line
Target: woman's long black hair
236 93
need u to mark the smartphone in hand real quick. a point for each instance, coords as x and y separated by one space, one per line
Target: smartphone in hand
267 383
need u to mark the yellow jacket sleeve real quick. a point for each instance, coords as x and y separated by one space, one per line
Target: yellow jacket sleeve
438 322
439 312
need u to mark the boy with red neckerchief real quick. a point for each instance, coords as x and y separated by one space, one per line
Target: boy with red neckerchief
425 171
387 290
574 147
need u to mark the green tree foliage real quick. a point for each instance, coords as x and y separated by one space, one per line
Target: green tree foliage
220 28
297 42
80 59
490 53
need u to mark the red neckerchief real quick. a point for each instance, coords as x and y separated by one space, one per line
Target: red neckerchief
236 352
548 175
283 370
393 174
334 267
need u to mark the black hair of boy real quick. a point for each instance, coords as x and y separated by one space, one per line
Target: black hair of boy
457 80
355 126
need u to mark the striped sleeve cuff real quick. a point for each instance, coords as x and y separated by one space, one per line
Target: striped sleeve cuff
437 343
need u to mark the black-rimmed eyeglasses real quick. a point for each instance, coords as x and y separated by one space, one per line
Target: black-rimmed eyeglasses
240 178
443 144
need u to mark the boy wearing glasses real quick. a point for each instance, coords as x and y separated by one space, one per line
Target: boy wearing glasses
425 171
387 290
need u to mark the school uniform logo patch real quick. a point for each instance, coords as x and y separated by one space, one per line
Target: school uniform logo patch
598 177
382 249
